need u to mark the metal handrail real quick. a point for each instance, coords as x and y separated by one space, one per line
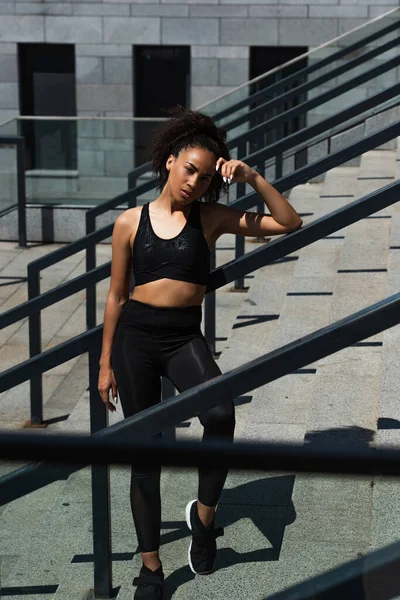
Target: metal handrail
287 182
280 85
337 130
104 232
308 85
69 449
312 130
240 380
278 363
87 280
370 38
342 217
275 149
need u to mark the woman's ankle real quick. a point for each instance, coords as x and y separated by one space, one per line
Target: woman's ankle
206 513
151 560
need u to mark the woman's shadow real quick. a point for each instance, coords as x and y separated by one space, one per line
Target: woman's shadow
267 502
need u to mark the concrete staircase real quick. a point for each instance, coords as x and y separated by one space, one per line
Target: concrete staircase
279 529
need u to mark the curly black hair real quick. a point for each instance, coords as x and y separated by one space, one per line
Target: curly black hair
189 129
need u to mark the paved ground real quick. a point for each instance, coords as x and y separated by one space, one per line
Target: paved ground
279 529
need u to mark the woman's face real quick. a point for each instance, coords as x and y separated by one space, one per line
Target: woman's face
190 172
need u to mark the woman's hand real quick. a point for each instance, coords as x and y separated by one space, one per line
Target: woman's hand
106 383
235 171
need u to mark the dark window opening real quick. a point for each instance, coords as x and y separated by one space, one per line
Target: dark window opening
47 88
161 80
263 59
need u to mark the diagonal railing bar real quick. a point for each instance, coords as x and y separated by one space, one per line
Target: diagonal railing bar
29 478
49 359
305 87
319 228
262 370
256 259
302 73
249 262
287 182
290 141
256 373
337 158
57 294
336 130
369 575
71 248
313 130
310 104
35 345
126 197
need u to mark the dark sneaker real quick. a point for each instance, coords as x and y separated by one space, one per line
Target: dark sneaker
203 547
150 584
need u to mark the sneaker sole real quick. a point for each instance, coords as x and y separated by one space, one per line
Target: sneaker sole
187 512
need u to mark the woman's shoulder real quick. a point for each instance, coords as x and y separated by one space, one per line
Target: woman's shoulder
127 223
129 218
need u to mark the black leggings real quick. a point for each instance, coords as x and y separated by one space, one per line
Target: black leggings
151 342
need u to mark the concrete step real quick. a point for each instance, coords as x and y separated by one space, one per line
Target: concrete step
68 408
386 490
267 516
14 404
337 402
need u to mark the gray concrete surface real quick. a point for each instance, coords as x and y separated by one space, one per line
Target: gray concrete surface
280 529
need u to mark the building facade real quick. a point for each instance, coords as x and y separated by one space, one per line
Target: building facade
217 36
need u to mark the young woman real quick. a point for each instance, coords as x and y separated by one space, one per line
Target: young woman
156 332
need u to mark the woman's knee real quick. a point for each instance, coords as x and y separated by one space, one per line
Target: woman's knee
220 420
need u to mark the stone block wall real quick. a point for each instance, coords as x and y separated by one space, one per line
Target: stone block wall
219 32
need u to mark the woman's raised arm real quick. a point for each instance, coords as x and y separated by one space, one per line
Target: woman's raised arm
283 219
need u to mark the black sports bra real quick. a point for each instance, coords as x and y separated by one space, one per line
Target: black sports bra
185 257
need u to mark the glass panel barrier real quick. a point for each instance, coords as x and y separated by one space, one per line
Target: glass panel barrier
83 161
9 127
8 167
8 176
314 55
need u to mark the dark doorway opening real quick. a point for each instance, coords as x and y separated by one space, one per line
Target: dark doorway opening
263 59
161 80
47 88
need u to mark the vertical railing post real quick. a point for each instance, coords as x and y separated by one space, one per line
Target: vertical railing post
279 157
239 239
132 185
101 514
260 205
238 285
210 311
91 301
133 199
21 191
35 348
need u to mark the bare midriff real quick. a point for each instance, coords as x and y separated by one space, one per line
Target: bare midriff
168 292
